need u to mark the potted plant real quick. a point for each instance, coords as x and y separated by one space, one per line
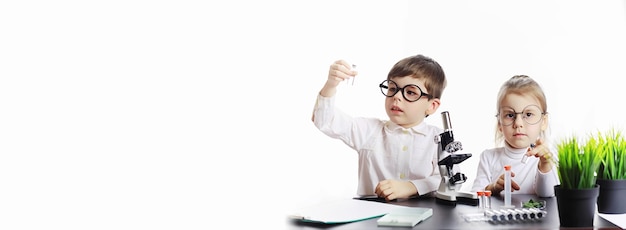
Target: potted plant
577 194
611 175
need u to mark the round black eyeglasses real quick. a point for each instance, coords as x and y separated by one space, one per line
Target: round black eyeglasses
410 92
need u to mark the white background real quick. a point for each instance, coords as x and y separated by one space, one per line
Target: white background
187 114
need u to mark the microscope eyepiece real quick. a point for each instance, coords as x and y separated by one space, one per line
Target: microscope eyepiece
445 117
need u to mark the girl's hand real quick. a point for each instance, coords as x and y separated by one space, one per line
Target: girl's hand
545 156
498 186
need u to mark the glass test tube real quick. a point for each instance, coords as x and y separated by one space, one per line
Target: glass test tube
507 186
487 199
505 215
481 202
521 215
538 212
493 215
525 157
353 68
502 214
531 214
511 214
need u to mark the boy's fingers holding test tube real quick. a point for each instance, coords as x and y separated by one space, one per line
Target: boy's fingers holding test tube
340 71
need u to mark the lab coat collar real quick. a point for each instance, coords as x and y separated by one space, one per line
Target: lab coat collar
391 127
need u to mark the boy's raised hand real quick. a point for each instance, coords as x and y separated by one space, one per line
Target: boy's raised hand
395 189
338 72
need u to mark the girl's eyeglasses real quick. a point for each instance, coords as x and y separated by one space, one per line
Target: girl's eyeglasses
531 114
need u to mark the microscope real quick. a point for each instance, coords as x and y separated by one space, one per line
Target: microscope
449 188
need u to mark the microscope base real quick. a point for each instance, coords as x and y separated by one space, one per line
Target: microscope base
453 197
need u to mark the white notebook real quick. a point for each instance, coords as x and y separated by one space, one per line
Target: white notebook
405 216
343 211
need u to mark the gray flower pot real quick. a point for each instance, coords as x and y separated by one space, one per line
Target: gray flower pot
577 207
612 197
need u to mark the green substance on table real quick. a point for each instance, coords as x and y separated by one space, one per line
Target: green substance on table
532 204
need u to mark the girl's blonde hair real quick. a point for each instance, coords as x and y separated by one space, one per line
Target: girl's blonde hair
521 85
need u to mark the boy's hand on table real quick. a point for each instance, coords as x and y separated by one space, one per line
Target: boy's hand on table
395 189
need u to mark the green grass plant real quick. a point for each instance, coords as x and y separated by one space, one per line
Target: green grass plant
578 162
613 166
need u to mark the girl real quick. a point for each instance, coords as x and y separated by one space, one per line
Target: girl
522 121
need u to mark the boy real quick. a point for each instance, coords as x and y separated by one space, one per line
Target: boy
397 158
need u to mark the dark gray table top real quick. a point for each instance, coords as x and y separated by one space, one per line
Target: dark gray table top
447 216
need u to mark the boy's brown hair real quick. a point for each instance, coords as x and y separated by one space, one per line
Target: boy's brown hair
421 67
